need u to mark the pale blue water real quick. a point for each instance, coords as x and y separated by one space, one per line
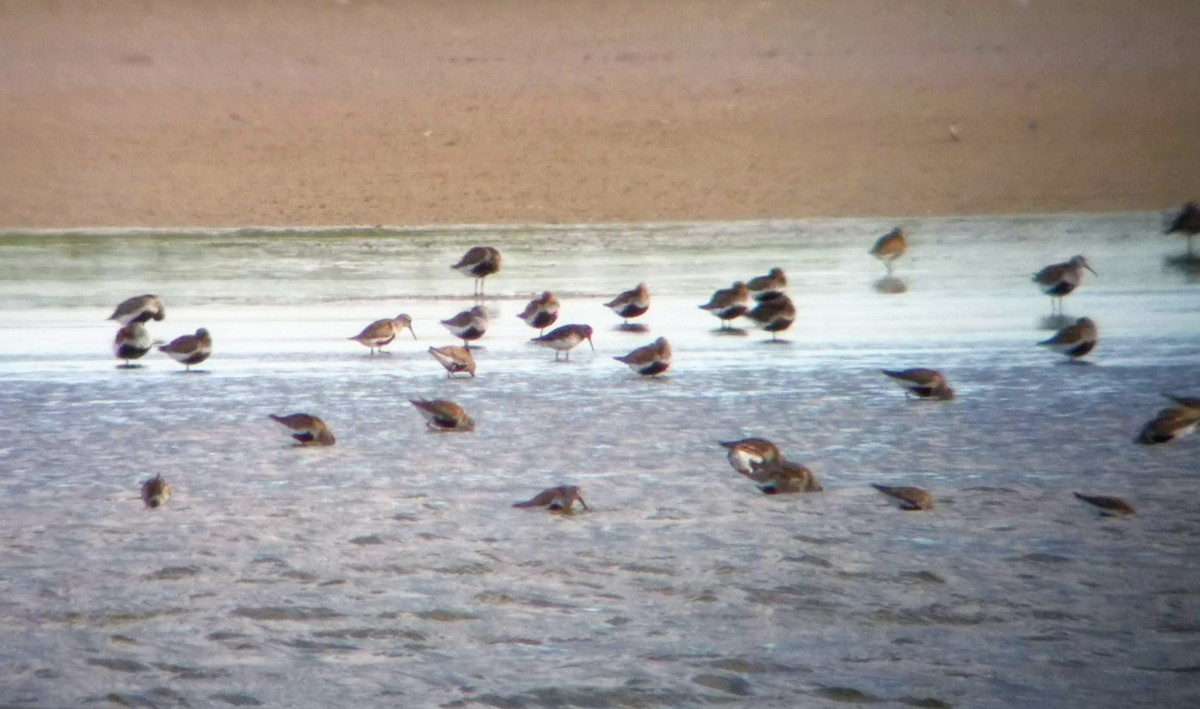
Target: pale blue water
390 570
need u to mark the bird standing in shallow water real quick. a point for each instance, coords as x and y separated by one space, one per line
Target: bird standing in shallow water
1187 222
1075 340
1169 424
763 286
1059 279
746 452
479 262
541 312
651 360
921 383
132 341
382 332
783 476
631 303
442 415
1108 506
890 247
911 498
469 324
454 359
729 303
774 314
564 338
189 349
308 430
155 491
556 499
140 309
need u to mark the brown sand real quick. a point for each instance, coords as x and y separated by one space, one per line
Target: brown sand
235 112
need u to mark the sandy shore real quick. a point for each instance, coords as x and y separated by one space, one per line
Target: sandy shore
355 112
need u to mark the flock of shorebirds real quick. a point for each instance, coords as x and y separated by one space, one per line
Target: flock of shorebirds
762 299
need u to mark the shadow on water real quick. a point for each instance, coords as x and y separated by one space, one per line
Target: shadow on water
730 332
1187 264
631 327
890 285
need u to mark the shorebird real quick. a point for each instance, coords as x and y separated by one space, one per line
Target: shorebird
921 383
454 359
139 309
156 491
1059 279
541 312
890 247
1168 425
132 341
729 303
774 314
911 498
1074 341
442 415
382 332
783 476
558 499
774 282
1108 506
1187 222
479 262
564 338
189 349
309 430
1187 402
746 452
631 303
469 324
651 360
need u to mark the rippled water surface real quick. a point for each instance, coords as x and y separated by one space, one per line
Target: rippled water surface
391 570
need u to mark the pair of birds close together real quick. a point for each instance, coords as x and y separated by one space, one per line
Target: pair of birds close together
132 341
772 310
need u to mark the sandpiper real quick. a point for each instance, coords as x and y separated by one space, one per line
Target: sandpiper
746 452
156 491
921 383
442 415
651 360
189 349
911 498
558 499
139 309
564 338
1187 222
479 262
890 247
309 430
1168 425
631 303
132 341
774 314
1108 506
774 282
469 324
1075 340
729 303
382 332
541 312
454 359
1059 279
783 476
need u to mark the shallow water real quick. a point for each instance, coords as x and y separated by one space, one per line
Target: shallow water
390 570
